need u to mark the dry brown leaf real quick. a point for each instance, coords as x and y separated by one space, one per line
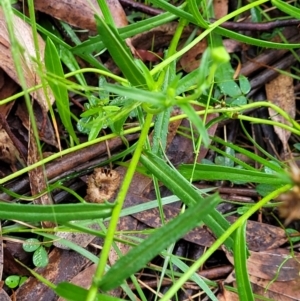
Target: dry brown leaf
83 279
37 176
4 296
191 59
8 88
273 274
227 296
81 239
63 266
274 264
220 8
43 123
8 151
280 91
81 13
278 290
23 33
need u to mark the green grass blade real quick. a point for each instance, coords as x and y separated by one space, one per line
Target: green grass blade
253 41
249 154
53 65
287 8
240 264
152 98
176 10
216 172
196 278
73 292
95 44
182 188
56 213
194 9
197 121
120 53
139 256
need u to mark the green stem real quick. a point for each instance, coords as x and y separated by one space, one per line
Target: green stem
174 118
118 207
188 274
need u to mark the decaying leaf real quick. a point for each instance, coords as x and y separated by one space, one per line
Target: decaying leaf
81 13
43 123
191 59
62 266
83 279
102 185
4 296
225 295
8 151
276 264
278 290
23 34
273 274
81 239
280 91
37 176
220 8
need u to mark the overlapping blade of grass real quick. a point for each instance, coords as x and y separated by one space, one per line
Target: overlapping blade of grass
152 98
139 256
174 181
53 65
73 292
216 172
240 264
95 44
120 53
251 155
287 8
57 213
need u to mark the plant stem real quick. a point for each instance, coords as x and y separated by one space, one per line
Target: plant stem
117 209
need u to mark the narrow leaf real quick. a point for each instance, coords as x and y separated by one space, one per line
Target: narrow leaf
287 8
120 53
194 9
73 292
182 188
152 98
139 256
53 65
197 121
240 265
57 213
211 172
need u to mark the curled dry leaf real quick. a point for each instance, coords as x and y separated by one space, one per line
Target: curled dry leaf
102 185
23 34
